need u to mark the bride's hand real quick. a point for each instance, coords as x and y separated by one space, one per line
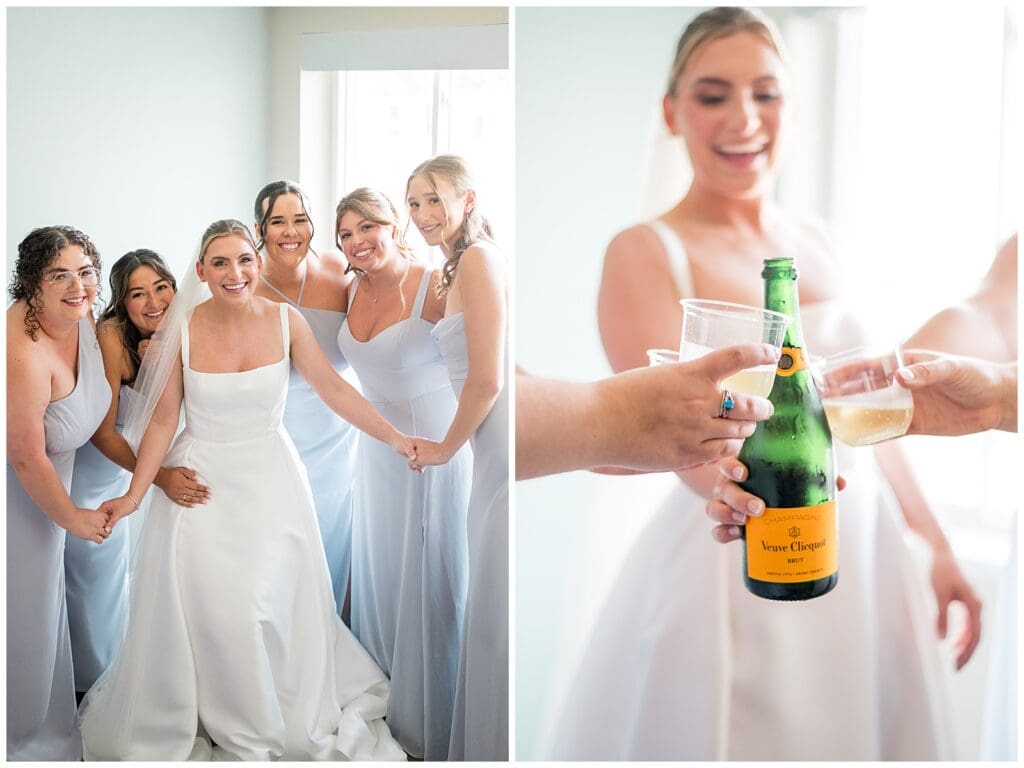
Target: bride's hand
951 586
117 508
730 505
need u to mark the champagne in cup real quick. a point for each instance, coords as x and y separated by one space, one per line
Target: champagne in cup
710 325
862 399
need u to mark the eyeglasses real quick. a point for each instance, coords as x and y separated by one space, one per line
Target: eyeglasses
64 279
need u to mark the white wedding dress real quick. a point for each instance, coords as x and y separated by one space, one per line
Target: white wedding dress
685 664
233 648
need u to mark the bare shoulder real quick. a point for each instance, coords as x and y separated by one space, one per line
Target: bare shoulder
482 257
109 332
16 328
637 253
638 241
334 264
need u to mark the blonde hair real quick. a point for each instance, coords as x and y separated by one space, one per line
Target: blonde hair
722 22
225 228
374 206
475 227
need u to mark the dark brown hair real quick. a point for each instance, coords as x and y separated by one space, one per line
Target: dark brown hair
270 193
117 313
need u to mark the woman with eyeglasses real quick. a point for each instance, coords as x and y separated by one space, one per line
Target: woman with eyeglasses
57 396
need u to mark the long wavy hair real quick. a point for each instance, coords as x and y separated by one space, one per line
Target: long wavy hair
117 313
375 206
475 227
35 255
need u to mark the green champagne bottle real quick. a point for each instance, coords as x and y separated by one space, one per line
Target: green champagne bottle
790 552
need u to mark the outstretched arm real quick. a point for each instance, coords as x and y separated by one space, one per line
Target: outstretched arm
481 279
340 396
959 395
651 419
153 447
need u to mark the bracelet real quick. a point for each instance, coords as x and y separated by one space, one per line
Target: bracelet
137 505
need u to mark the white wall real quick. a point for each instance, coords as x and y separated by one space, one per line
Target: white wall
139 126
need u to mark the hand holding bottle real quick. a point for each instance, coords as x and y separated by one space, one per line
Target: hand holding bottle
730 506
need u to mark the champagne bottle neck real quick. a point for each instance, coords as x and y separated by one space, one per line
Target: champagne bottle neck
780 295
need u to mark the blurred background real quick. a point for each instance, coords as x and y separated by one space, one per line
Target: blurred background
907 147
140 126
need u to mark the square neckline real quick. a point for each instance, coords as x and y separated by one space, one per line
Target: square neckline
285 342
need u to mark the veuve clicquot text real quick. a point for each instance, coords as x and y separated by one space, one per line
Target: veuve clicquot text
790 552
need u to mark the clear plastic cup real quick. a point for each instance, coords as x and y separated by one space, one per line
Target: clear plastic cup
711 325
863 401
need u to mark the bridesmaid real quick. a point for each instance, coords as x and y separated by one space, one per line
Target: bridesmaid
473 341
410 563
318 288
97 576
56 397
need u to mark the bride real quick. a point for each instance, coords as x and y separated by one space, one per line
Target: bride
233 649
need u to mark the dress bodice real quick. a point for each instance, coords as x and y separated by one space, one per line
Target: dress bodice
401 362
237 406
829 326
450 335
72 420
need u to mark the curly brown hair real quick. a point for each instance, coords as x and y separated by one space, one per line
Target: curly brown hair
35 254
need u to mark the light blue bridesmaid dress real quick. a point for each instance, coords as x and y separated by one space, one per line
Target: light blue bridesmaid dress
326 444
41 706
409 552
480 725
96 575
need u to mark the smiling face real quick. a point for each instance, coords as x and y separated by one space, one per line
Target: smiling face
69 284
437 213
287 230
729 107
231 268
147 299
367 244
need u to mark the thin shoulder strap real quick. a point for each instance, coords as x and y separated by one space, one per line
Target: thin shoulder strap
184 342
352 290
421 294
302 285
678 261
285 335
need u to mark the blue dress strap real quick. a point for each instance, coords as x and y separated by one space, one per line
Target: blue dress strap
421 294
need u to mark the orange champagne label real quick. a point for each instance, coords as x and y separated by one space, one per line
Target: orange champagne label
791 545
791 361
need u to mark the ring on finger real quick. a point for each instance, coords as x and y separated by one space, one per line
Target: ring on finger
727 404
